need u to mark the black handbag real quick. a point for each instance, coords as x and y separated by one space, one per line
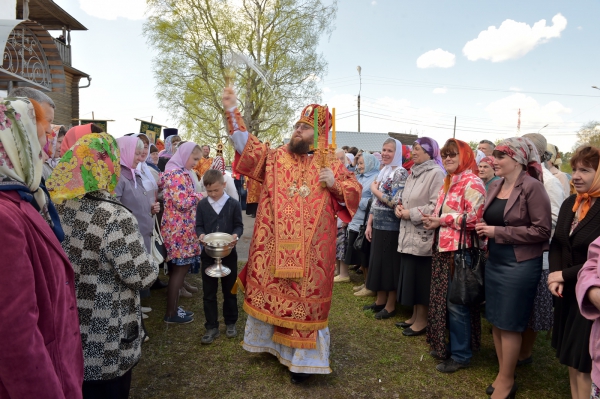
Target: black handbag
467 281
361 243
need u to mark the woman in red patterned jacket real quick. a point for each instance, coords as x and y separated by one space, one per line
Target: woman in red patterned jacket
463 195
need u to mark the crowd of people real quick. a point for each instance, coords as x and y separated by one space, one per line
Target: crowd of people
511 201
82 212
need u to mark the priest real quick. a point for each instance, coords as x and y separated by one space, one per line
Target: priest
288 279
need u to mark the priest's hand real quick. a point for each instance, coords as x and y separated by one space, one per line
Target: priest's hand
229 98
326 175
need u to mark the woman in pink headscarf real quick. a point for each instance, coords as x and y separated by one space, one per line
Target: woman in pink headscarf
75 133
178 224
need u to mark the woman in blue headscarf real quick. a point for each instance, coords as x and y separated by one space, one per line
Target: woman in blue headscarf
367 168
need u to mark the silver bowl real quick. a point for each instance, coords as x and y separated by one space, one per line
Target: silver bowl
217 246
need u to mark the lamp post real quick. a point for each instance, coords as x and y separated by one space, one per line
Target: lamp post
359 69
546 125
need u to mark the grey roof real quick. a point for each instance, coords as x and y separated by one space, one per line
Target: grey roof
369 141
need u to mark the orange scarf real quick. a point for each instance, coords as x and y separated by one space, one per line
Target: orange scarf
467 161
584 201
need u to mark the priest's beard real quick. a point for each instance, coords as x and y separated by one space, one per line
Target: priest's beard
299 147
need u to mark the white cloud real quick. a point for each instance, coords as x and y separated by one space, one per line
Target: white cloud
440 90
580 28
515 89
113 9
436 58
512 39
326 90
504 113
373 3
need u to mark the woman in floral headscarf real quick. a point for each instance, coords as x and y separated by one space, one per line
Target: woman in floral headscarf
37 297
517 222
109 258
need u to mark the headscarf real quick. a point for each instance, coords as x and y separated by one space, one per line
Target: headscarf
480 155
522 150
377 155
467 161
218 164
127 145
489 160
431 147
584 201
144 170
371 164
178 161
168 151
553 151
92 164
407 161
350 157
50 147
74 134
397 161
149 158
20 151
160 145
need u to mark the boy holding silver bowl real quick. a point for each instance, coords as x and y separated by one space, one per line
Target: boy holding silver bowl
218 213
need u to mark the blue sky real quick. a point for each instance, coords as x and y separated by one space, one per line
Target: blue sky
493 58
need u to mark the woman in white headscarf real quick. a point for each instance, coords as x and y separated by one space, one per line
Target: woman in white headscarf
383 230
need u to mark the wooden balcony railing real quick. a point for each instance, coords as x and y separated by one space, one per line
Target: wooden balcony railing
64 51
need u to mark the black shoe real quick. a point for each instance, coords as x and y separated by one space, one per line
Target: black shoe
511 395
253 216
523 362
403 324
299 378
158 285
374 307
490 390
450 366
409 332
231 332
359 271
210 336
384 314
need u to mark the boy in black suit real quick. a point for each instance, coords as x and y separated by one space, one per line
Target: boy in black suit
218 213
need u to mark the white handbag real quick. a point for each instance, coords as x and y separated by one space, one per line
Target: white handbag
159 252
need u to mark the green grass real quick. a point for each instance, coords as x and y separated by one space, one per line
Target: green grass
370 359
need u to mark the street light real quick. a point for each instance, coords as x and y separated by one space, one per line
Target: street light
359 69
543 127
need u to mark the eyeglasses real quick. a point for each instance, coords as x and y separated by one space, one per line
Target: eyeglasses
449 154
302 126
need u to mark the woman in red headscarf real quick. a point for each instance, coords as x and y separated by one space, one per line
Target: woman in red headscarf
461 196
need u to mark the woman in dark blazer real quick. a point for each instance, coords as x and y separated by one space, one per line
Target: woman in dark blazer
517 223
577 227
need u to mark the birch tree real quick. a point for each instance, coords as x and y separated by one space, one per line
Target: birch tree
194 40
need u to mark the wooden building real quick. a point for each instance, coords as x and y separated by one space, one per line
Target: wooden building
33 57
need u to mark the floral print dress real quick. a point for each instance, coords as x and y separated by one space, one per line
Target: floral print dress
178 226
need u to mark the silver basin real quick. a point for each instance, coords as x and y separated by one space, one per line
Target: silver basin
218 245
